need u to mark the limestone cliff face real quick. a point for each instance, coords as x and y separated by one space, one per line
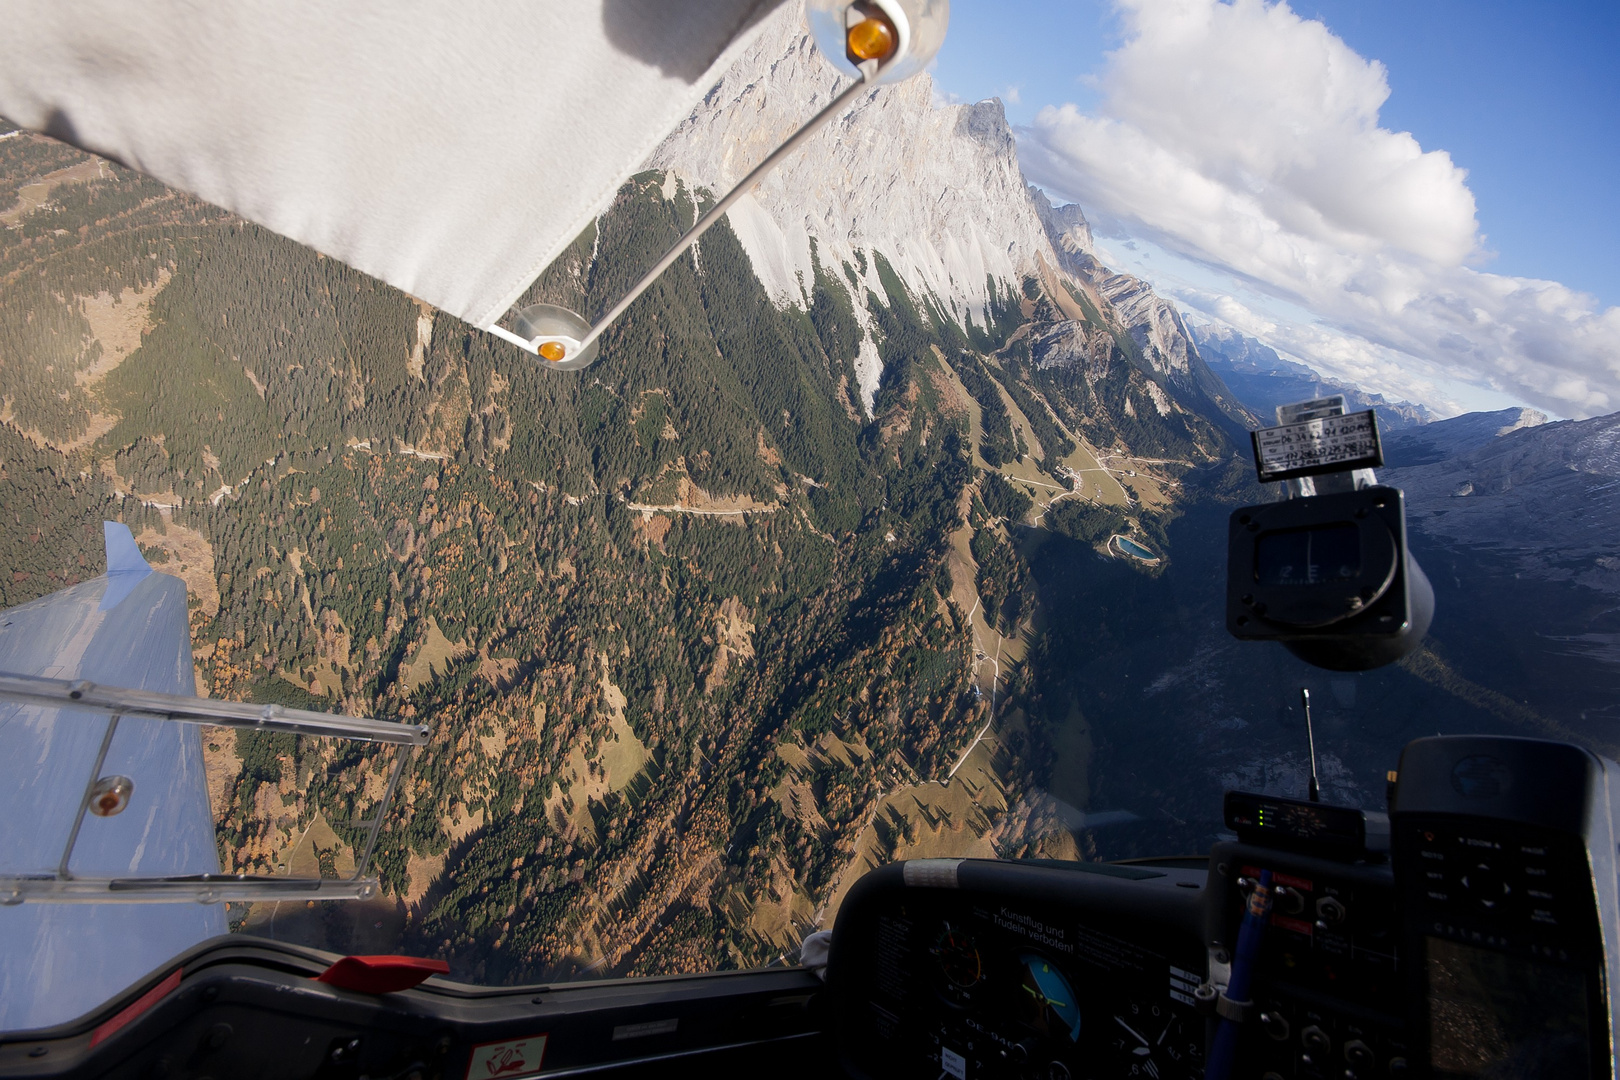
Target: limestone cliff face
935 190
1073 343
1153 322
1068 230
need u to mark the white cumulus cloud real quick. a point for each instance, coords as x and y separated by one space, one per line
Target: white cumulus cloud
1247 138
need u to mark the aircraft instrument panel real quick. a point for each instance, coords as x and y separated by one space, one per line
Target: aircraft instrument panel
1039 977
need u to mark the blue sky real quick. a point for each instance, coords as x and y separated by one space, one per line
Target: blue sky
1515 112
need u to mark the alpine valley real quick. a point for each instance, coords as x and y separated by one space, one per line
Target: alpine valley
890 524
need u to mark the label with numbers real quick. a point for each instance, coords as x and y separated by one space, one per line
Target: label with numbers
1315 409
1323 445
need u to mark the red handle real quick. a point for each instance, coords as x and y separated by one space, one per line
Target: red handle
381 974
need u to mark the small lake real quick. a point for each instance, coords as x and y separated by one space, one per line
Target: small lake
1134 550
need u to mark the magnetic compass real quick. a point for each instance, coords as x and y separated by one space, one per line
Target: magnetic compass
959 962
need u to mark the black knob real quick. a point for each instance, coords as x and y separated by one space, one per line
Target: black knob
1288 901
1315 1040
1397 1067
1330 911
1358 1053
1275 1024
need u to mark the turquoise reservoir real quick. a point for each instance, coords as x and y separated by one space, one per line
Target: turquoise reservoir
1135 550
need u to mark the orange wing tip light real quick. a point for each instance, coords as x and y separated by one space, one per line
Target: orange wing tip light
900 36
556 335
872 38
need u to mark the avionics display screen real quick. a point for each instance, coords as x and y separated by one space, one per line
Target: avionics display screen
1496 1015
1308 556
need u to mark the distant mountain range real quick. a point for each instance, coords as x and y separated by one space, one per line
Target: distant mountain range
1262 379
1443 439
1539 500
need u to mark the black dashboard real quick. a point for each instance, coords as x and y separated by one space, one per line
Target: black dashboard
239 1008
1328 995
1470 934
978 968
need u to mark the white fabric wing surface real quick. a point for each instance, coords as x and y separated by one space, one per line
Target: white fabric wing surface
452 150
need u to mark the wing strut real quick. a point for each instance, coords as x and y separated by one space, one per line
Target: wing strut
553 333
80 696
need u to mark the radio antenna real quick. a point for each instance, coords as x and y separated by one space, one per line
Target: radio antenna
1315 792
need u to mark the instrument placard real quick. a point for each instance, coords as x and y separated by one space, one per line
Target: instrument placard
1319 445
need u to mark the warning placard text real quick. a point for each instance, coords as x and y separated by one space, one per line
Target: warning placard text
1323 445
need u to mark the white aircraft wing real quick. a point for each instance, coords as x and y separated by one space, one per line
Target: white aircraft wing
126 628
452 150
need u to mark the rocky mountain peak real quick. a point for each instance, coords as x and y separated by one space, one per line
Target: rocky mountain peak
1262 379
1458 435
1068 230
1153 320
934 189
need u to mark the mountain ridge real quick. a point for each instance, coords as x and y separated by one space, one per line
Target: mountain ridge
1441 439
1263 379
936 189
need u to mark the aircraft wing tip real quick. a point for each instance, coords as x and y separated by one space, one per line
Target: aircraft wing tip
123 554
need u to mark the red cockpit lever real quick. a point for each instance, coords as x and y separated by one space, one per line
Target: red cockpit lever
381 974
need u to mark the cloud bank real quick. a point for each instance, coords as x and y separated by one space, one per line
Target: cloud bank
1246 138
